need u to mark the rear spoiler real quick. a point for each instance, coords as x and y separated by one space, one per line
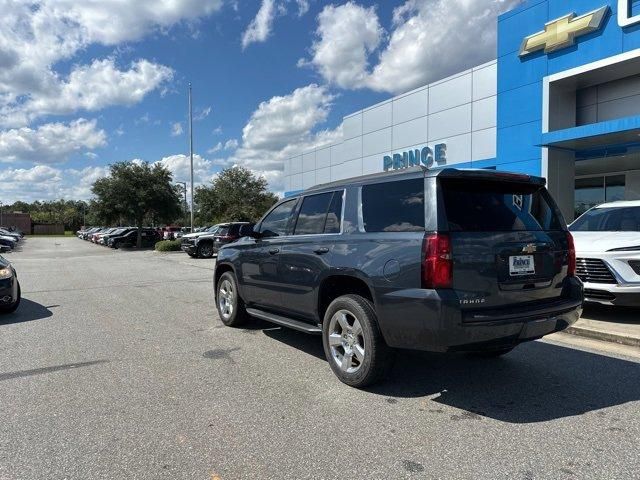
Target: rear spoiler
491 175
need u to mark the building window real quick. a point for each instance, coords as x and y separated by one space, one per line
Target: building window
592 191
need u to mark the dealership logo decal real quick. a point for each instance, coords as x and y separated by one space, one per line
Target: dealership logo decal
562 32
414 158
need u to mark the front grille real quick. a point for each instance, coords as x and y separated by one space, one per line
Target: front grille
598 295
593 270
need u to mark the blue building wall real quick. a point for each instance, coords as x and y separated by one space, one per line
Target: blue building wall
520 80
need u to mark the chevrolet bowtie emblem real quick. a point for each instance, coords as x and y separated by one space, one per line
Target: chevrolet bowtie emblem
530 249
561 33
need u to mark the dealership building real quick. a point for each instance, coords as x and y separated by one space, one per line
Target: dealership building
562 101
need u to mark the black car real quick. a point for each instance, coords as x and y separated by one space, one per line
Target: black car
130 238
207 244
446 261
9 287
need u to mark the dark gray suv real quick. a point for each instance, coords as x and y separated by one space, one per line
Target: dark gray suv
446 261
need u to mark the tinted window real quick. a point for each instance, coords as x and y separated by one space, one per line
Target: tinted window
334 215
394 206
609 220
223 231
492 206
275 224
313 214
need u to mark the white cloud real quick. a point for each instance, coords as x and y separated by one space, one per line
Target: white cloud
91 155
43 182
217 130
180 166
201 115
216 148
346 35
37 35
429 40
176 129
260 27
303 7
231 144
51 142
90 88
434 39
282 127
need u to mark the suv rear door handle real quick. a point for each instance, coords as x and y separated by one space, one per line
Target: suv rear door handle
321 250
273 251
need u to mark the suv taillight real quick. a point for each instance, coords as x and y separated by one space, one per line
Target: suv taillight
437 264
571 256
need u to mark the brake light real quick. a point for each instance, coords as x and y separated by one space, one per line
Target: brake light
571 254
437 265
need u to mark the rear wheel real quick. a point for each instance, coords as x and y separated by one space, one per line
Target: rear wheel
14 306
353 344
230 306
205 250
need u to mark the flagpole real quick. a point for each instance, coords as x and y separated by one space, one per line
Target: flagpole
191 150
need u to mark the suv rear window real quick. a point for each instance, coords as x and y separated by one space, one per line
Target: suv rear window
394 206
493 206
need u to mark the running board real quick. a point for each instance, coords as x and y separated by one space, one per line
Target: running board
285 321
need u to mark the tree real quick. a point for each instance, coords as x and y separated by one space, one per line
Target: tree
235 195
135 191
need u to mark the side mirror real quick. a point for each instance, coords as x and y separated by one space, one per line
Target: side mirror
249 231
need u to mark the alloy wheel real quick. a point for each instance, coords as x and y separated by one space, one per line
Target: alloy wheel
346 341
226 299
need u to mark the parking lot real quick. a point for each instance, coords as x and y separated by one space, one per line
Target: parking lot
116 366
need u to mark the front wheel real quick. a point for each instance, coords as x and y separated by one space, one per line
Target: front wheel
230 306
205 250
353 344
14 306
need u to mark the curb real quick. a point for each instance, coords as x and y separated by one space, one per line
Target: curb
603 336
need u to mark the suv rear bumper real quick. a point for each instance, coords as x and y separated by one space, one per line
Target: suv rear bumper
434 321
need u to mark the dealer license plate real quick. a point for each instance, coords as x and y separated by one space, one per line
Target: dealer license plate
521 265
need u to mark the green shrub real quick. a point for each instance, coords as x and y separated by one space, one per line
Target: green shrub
168 246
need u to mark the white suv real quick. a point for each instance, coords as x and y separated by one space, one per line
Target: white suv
607 240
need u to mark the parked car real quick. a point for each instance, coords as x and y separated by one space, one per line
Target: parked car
84 235
130 238
104 239
95 237
17 236
206 245
447 261
169 233
608 249
8 242
9 287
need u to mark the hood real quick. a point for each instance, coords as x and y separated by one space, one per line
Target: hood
195 235
604 241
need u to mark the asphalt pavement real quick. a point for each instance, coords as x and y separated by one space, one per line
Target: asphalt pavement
117 367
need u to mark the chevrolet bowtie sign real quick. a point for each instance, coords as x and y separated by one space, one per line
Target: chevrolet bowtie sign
562 32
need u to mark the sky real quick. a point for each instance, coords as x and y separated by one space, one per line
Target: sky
85 84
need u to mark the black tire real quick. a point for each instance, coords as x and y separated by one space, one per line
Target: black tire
237 315
377 358
492 353
204 250
14 306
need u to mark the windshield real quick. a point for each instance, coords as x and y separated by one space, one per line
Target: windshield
625 219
